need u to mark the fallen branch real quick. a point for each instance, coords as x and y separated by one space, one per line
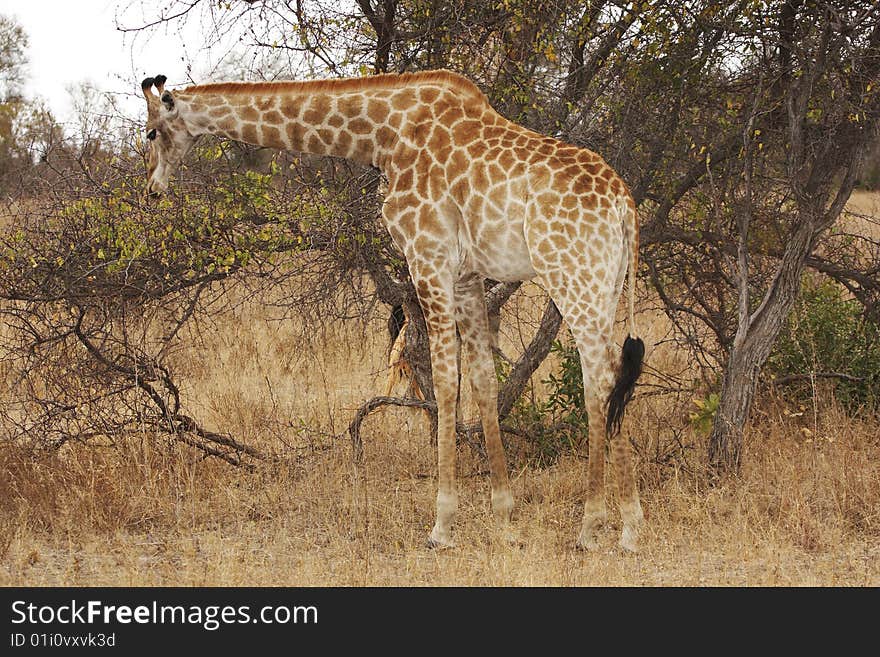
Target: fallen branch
233 458
354 429
466 431
185 424
172 421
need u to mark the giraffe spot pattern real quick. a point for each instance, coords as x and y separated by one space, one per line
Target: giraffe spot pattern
471 195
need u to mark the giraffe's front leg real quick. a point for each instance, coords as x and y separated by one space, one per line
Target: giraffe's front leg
427 254
473 324
444 366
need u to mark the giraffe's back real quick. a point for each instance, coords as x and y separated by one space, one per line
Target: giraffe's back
521 184
487 179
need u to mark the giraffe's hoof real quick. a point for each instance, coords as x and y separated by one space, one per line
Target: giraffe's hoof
594 518
587 543
629 539
502 506
633 520
440 540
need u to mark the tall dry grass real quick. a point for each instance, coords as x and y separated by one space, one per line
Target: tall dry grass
148 511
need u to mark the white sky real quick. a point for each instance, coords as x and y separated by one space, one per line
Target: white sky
73 41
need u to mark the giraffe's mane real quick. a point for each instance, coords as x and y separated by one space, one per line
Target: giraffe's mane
441 77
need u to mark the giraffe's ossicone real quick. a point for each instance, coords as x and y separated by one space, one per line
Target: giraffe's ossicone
471 195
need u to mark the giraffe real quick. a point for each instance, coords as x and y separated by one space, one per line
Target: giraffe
471 195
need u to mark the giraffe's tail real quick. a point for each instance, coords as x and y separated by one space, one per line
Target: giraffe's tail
633 353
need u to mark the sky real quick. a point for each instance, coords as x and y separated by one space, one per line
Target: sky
77 41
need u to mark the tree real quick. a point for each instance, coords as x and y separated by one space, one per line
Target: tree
13 43
740 127
817 100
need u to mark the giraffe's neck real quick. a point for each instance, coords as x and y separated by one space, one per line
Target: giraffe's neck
357 124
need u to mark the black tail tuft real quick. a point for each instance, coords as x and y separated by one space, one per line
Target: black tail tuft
630 369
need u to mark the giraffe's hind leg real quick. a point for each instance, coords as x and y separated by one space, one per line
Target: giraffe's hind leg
597 379
627 493
473 324
599 374
590 319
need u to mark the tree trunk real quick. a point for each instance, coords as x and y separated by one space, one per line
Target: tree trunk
737 394
417 351
530 360
756 334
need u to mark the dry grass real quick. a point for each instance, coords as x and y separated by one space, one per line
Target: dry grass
867 204
804 510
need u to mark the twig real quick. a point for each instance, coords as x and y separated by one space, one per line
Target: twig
793 378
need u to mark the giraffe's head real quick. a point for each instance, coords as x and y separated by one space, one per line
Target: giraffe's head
168 138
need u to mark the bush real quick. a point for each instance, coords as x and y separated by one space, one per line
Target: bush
566 400
558 424
828 334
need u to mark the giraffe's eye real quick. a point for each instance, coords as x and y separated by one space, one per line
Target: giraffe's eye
151 135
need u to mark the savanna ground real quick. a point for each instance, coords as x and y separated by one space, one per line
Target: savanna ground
148 511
